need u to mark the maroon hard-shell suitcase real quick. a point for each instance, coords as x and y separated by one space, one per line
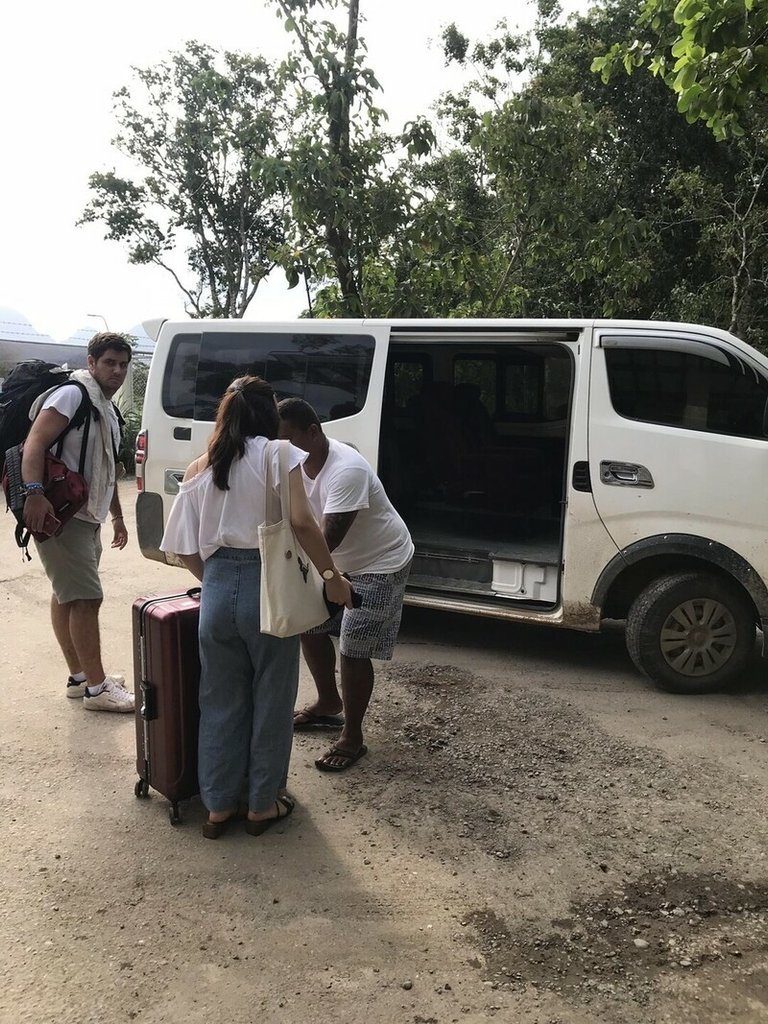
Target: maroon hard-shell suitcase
166 670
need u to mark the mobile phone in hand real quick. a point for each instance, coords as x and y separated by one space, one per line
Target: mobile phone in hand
51 525
333 608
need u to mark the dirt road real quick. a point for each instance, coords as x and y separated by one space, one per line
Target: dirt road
536 836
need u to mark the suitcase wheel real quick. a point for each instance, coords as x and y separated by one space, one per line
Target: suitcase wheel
141 789
173 813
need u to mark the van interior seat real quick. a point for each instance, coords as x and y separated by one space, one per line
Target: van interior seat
448 443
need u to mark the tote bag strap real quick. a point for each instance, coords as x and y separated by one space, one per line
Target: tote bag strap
276 511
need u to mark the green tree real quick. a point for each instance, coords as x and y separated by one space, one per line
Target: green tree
521 214
712 53
131 406
726 279
338 167
199 125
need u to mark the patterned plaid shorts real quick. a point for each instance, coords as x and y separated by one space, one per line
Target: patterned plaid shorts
370 631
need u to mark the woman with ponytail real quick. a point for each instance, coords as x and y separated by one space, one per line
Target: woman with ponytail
248 679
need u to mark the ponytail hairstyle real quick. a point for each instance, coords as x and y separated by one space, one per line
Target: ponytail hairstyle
246 409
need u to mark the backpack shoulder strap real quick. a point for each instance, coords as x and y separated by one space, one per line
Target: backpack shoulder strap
81 417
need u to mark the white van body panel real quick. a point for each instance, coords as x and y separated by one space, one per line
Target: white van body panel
709 485
168 457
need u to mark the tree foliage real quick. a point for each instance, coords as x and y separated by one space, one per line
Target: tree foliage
338 165
554 193
194 127
712 53
537 188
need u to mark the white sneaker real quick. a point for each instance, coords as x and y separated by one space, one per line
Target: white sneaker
113 697
76 689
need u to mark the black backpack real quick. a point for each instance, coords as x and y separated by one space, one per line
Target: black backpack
26 382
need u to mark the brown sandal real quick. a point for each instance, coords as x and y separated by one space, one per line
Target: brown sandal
284 806
215 829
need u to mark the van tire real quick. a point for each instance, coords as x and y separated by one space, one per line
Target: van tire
708 663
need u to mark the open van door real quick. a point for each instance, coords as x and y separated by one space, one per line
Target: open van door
336 366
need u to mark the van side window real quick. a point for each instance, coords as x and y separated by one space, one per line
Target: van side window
712 391
330 371
178 395
408 379
480 373
518 384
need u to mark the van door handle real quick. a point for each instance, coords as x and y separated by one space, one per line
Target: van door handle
173 478
625 474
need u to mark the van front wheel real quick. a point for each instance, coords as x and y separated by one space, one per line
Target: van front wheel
691 632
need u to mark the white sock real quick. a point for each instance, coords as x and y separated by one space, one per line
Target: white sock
79 677
94 691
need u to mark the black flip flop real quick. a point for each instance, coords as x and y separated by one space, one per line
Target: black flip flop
313 722
322 765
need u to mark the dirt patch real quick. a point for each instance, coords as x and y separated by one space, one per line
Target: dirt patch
528 812
530 782
637 939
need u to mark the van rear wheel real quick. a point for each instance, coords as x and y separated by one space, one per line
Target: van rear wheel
691 633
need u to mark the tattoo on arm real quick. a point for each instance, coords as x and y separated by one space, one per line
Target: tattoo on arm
336 527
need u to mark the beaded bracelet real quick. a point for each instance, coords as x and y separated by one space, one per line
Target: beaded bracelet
35 487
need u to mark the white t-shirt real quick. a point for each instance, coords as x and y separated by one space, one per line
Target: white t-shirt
378 540
204 518
66 400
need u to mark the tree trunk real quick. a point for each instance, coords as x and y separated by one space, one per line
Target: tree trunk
338 238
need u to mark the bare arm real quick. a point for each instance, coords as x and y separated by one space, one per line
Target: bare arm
120 538
48 425
43 432
194 563
312 540
196 467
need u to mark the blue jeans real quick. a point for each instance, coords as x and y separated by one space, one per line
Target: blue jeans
248 686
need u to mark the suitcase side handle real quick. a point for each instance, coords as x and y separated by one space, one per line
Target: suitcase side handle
147 710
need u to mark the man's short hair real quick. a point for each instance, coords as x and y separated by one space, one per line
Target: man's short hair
299 413
105 340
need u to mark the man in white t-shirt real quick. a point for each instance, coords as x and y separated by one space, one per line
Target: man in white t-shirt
90 438
372 546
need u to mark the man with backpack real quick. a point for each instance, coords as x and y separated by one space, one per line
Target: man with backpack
71 558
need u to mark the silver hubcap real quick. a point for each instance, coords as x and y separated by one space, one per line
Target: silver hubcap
698 637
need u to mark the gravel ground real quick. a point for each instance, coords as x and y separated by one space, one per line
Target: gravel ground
536 835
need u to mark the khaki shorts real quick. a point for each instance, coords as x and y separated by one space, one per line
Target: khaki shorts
71 562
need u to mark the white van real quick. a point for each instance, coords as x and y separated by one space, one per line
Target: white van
562 472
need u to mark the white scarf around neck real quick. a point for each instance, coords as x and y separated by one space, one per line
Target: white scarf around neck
101 479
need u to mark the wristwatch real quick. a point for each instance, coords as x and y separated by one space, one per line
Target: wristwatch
328 574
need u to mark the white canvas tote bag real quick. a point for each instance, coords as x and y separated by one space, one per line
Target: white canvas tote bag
292 598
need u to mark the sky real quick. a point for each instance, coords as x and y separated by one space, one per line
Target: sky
60 64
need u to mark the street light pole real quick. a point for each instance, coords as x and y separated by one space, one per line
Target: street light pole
98 316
